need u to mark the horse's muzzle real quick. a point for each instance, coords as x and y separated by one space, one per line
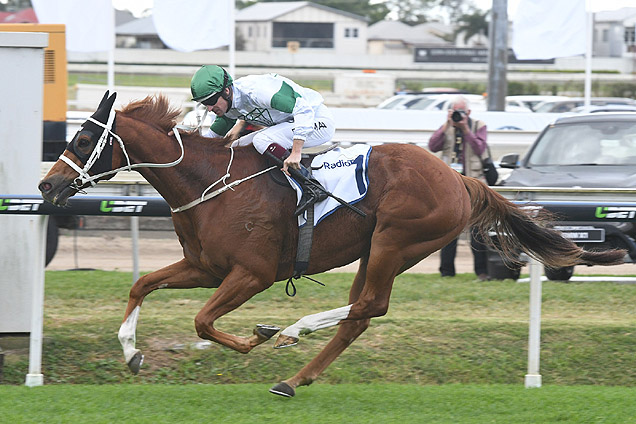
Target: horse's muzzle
56 192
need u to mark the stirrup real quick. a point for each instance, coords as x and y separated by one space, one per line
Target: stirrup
313 192
303 205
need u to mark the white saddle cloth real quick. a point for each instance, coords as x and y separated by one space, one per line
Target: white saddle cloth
343 172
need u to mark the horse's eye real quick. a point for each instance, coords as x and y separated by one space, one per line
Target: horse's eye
83 142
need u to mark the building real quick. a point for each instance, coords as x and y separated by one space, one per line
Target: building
614 32
138 34
267 27
24 16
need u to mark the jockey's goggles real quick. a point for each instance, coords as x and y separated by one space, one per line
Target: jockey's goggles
211 99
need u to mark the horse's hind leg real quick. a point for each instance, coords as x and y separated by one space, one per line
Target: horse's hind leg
373 300
347 333
370 299
180 275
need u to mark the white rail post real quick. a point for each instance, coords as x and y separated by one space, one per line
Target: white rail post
533 378
134 235
35 376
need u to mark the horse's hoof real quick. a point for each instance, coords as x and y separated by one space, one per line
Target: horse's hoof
285 341
134 365
283 389
266 331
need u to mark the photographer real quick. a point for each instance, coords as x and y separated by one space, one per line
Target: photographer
462 142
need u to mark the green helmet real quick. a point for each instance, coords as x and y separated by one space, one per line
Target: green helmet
207 81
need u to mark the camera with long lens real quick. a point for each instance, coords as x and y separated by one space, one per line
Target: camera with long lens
458 115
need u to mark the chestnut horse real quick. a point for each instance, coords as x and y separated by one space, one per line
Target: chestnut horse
245 239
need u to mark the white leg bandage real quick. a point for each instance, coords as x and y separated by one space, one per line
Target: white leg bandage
311 323
127 334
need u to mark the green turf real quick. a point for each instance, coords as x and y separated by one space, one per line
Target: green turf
437 331
343 403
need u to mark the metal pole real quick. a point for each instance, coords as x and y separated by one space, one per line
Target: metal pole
533 378
498 55
111 56
588 59
232 46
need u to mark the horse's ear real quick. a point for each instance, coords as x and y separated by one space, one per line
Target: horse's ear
104 108
103 99
111 100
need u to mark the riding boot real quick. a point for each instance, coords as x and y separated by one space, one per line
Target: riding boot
313 191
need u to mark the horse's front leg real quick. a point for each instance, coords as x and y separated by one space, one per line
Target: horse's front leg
237 288
180 275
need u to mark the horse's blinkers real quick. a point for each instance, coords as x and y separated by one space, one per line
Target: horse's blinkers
90 134
78 148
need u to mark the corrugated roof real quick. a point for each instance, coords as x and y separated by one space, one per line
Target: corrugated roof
270 11
388 30
427 33
141 26
618 15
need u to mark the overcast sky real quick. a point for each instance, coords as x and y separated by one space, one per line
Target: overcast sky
138 6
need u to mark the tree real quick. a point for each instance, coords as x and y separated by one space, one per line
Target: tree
472 24
415 12
456 9
412 12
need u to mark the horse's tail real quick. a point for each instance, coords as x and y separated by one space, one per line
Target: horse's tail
517 230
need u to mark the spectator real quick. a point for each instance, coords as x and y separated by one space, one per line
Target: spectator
462 141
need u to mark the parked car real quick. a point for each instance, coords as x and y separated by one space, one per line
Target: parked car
192 118
443 102
403 101
531 101
560 106
437 102
606 108
590 150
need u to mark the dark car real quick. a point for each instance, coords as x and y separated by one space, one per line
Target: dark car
583 151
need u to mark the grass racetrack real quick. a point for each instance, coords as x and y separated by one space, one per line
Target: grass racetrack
349 403
449 350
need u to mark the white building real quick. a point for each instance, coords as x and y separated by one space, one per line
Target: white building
614 32
267 27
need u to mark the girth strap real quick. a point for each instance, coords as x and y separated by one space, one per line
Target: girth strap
305 238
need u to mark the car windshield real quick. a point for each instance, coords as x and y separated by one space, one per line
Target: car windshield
590 143
391 104
421 104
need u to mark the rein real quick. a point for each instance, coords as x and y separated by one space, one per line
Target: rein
84 177
205 196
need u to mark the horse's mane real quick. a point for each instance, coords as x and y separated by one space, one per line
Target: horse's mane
154 110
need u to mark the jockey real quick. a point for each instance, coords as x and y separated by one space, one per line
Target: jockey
293 117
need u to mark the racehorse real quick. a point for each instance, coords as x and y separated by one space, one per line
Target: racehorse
245 239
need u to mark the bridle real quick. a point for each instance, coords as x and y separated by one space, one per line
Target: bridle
106 138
